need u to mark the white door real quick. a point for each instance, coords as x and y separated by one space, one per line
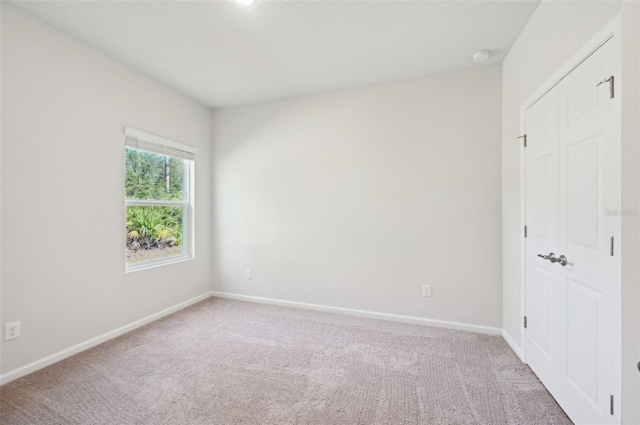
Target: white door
572 309
543 277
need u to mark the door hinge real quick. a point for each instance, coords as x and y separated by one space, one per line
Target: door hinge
611 247
524 140
525 322
609 80
525 231
611 405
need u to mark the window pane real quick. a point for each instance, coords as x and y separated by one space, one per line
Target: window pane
150 176
153 233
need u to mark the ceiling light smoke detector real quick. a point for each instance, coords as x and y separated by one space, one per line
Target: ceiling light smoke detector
481 56
245 2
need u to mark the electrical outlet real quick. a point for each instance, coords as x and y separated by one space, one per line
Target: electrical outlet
426 290
247 274
11 331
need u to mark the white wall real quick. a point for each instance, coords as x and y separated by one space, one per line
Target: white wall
358 197
64 107
1 7
630 225
554 33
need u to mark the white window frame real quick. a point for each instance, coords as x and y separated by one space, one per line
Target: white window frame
136 139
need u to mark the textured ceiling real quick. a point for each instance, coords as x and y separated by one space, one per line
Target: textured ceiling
223 54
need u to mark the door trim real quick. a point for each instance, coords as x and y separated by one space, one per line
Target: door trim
611 33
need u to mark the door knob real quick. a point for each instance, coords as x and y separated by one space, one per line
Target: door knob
552 257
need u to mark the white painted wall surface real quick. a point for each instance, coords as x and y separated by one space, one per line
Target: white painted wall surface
64 107
631 224
358 197
554 33
637 395
1 7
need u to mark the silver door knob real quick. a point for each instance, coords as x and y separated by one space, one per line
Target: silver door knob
552 257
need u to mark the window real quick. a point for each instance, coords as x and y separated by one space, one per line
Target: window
159 181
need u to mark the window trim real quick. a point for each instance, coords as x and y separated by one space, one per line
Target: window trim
188 190
160 143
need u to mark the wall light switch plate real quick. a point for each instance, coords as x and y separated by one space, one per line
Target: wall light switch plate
11 331
426 290
247 274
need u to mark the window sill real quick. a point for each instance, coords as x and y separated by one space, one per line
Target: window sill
157 263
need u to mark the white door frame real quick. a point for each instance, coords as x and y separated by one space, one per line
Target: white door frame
610 33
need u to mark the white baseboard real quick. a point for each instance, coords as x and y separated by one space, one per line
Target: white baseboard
512 343
364 313
68 352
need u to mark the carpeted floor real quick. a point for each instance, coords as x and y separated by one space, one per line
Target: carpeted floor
223 362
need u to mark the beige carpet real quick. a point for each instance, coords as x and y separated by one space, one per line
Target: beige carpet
229 362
